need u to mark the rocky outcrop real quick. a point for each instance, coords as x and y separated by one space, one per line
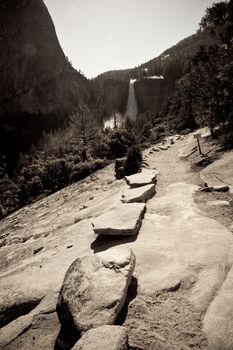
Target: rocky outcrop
95 288
122 220
38 88
104 337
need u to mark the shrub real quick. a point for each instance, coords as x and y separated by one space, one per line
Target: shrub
133 160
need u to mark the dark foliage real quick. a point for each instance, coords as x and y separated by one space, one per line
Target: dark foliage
133 160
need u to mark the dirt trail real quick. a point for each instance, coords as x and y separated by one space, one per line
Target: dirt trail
183 258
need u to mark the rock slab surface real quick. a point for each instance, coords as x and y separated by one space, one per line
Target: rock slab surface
125 219
219 174
95 288
139 194
103 338
146 177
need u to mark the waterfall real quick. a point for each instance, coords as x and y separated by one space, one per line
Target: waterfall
132 107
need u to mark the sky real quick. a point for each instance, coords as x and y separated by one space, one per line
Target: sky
102 35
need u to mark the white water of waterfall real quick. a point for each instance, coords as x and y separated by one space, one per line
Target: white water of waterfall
132 107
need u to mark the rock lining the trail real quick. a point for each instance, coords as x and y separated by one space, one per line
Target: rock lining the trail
140 194
125 219
146 177
103 338
217 203
95 288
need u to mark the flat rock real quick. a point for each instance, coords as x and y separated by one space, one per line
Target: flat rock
125 219
103 338
146 177
95 288
217 203
139 194
163 147
155 149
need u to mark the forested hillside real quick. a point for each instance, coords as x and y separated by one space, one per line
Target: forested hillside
204 94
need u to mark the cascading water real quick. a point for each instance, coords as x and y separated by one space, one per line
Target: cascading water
132 107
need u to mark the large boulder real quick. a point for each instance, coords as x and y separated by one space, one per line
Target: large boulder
103 338
123 220
95 288
146 177
139 194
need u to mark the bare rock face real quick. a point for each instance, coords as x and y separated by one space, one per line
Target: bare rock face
139 194
36 78
94 289
104 337
125 219
219 174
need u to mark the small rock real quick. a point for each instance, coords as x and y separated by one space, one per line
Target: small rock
83 207
185 131
103 338
91 198
155 149
163 147
221 188
206 189
69 246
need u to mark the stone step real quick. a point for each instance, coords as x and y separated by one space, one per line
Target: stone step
140 194
146 177
125 219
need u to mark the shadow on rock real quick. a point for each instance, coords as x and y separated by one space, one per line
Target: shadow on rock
131 294
104 242
66 338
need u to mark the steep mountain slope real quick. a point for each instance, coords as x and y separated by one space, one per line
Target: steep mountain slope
38 85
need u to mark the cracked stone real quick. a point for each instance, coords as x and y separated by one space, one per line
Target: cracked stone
95 288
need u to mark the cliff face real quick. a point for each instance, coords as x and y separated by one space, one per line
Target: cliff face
152 94
110 96
35 77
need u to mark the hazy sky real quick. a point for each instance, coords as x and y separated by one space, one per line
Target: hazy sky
101 35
